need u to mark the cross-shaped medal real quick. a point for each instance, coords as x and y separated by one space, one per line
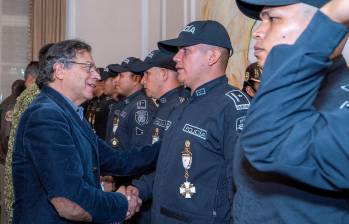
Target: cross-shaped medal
187 189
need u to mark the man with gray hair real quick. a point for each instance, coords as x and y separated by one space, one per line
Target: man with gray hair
58 159
292 166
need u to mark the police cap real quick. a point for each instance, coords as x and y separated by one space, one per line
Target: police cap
157 58
199 32
107 73
127 65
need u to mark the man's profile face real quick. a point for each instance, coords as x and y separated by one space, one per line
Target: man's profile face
80 79
125 83
191 64
109 86
279 25
151 82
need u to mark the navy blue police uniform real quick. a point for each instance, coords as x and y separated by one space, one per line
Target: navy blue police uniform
135 120
192 180
293 155
101 115
137 114
166 105
113 123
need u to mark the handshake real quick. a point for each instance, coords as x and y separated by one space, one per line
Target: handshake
134 202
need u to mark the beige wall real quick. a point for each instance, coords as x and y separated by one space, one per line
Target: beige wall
120 28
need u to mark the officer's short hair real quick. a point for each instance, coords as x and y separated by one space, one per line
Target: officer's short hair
31 69
62 52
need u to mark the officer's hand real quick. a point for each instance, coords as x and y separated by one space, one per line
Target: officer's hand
337 10
132 190
134 205
134 202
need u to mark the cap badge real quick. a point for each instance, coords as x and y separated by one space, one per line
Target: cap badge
189 29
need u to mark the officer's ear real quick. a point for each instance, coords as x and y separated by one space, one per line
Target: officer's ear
214 54
137 78
58 70
163 74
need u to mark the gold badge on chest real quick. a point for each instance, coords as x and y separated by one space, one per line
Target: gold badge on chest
187 189
114 142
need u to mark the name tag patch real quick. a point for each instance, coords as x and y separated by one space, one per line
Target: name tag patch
198 132
162 123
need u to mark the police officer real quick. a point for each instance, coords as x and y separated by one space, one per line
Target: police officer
131 129
113 116
90 106
292 167
134 121
161 83
104 102
191 183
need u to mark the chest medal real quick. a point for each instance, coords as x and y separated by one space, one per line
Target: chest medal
187 189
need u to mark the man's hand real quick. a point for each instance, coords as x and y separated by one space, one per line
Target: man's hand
70 210
132 190
134 202
337 10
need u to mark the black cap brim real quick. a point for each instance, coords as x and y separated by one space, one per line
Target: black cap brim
252 8
105 75
141 67
173 44
118 68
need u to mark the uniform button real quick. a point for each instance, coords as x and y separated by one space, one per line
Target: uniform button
94 169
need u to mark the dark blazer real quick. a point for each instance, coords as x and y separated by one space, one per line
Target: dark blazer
56 154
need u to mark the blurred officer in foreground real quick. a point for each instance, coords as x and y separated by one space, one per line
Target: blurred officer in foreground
292 167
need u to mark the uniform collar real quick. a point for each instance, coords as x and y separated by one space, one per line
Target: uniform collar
169 95
130 98
205 88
